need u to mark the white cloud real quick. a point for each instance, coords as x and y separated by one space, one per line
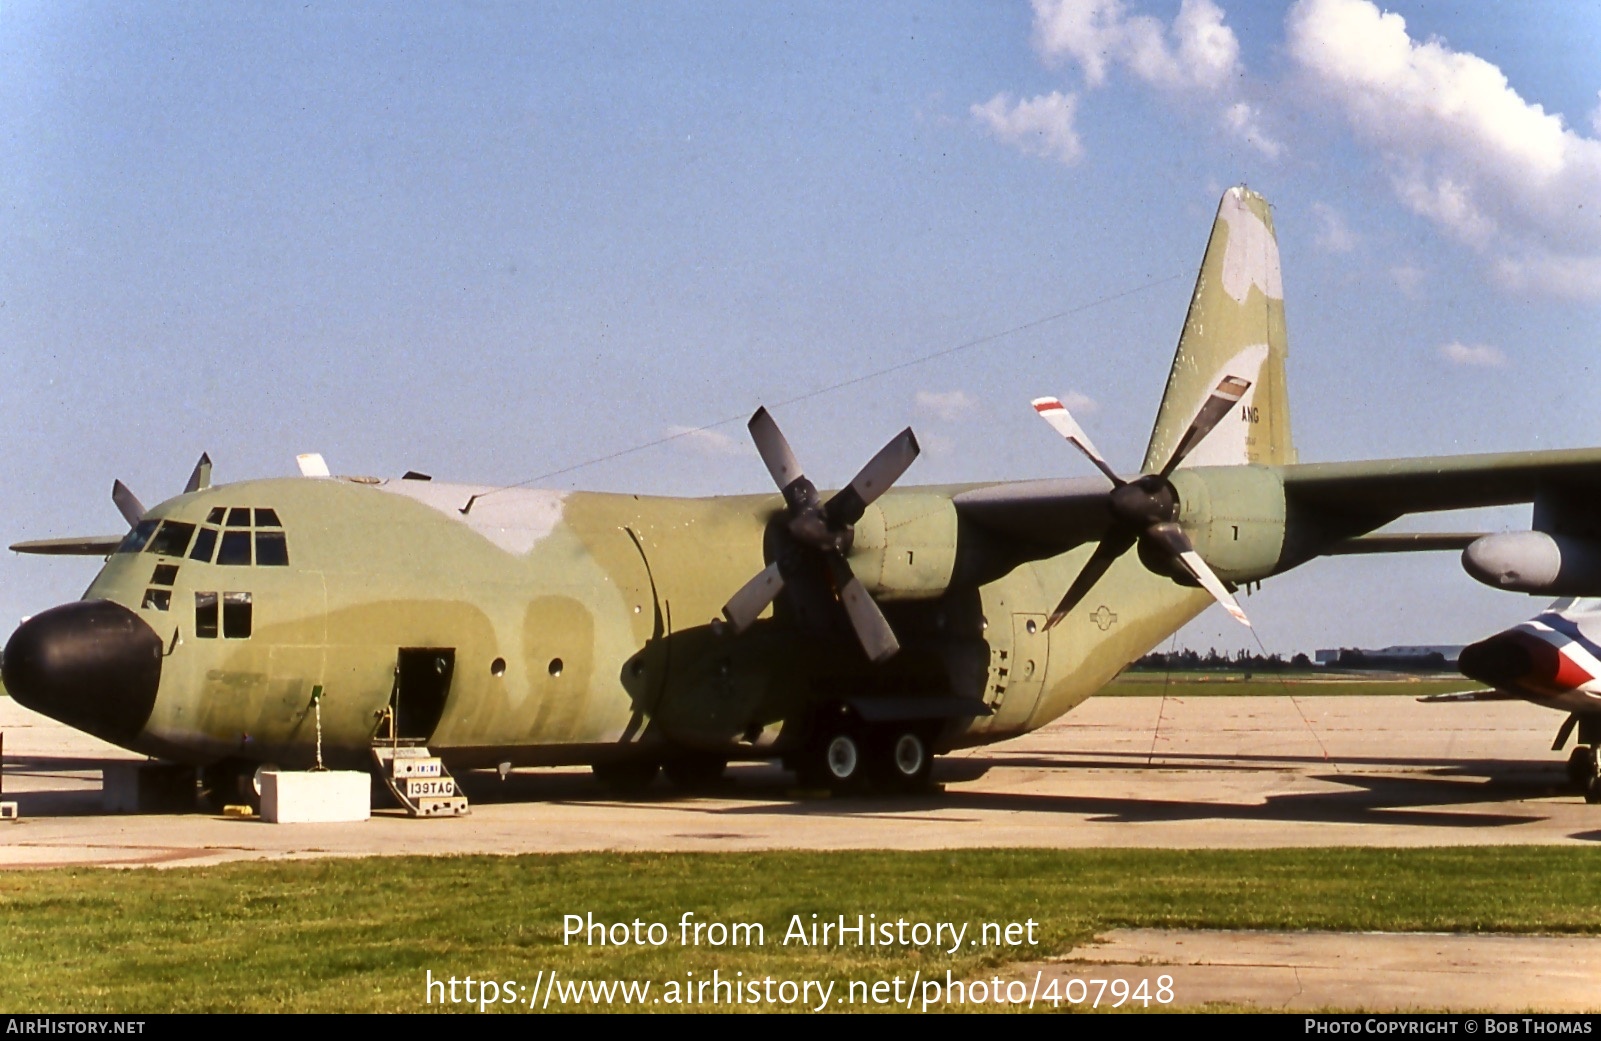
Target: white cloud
1478 355
1078 403
1244 121
1333 235
947 405
1408 278
705 441
1463 149
1041 126
1575 277
1196 52
1595 116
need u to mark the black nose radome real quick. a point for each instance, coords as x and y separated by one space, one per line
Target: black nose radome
1499 661
94 665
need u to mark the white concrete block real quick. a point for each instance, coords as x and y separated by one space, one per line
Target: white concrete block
315 797
146 787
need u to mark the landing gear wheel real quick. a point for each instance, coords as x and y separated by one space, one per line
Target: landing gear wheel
696 772
627 776
230 782
1592 791
903 760
1581 766
833 762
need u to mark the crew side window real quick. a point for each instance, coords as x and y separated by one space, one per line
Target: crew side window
236 616
206 615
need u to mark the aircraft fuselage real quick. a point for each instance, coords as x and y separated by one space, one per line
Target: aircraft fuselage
544 627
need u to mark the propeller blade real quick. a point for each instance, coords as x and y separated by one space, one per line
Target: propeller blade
1228 394
881 471
133 511
872 628
1114 545
774 450
753 597
1171 537
1055 413
200 478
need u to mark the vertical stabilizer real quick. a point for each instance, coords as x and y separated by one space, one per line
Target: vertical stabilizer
1235 327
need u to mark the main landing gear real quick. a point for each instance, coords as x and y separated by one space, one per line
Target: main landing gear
846 755
1584 768
1584 773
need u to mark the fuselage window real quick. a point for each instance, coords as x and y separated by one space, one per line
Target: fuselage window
216 515
206 615
160 599
235 548
172 540
136 539
236 616
267 519
239 517
164 575
205 545
271 550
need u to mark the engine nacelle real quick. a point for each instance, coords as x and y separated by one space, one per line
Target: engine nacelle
905 546
1536 562
1235 516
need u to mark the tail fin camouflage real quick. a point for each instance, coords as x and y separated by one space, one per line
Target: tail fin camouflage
1235 327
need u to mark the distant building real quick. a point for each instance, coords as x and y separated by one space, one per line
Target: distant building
1427 656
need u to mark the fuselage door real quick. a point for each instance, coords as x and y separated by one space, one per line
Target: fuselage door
422 686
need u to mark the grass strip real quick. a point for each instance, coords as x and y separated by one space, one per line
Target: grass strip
361 935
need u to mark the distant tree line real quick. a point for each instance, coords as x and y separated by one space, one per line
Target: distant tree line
1244 661
1190 661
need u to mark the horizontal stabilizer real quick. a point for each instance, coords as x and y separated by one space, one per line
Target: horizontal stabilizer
1483 694
93 546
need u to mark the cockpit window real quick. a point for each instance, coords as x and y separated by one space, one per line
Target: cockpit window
232 544
136 539
172 540
271 550
235 548
205 545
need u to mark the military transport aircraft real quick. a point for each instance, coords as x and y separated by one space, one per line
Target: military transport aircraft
852 636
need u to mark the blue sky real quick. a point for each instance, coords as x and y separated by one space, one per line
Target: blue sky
491 242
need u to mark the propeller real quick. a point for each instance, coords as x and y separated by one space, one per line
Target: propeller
827 529
1144 511
133 511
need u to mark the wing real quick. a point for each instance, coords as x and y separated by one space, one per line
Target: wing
1321 508
1390 488
92 546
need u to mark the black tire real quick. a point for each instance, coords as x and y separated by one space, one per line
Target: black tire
1581 767
902 760
231 782
696 772
626 776
839 759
